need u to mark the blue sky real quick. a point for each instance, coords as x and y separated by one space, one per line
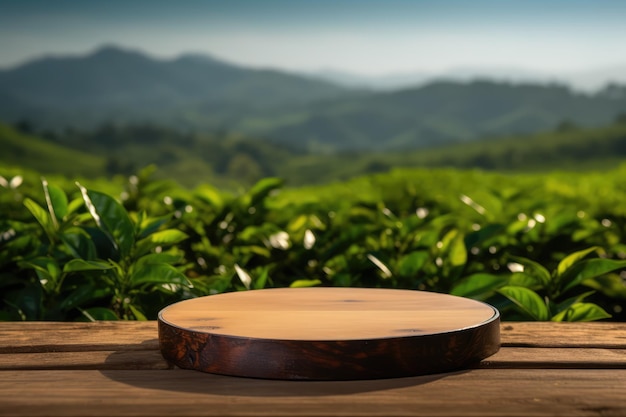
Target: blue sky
364 37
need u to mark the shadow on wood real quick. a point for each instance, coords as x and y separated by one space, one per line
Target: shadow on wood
188 381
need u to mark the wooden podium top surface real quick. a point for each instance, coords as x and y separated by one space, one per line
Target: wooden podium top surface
323 314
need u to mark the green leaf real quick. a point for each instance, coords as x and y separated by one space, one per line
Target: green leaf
344 279
479 284
54 270
103 244
582 312
297 223
137 313
98 313
168 237
18 244
454 247
164 237
76 265
521 279
263 188
111 216
588 269
211 196
47 269
534 269
303 283
258 250
154 274
571 259
409 265
352 235
39 213
527 300
564 305
116 220
212 284
159 258
485 232
79 243
74 205
56 200
611 285
515 227
458 252
259 283
83 295
150 225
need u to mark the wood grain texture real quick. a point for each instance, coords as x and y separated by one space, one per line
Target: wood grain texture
505 358
556 358
72 337
141 335
327 313
100 359
517 392
550 334
328 333
69 369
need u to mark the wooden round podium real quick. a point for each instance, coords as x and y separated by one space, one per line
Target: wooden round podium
328 333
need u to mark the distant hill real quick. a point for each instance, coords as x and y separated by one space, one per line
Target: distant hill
439 113
23 150
124 85
202 94
591 80
564 149
231 160
227 160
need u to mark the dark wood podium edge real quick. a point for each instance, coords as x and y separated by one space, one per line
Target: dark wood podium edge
329 360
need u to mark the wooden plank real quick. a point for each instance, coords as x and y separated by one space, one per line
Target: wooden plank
507 357
550 334
101 359
556 358
137 335
73 337
481 392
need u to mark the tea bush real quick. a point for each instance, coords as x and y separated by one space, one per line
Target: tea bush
538 247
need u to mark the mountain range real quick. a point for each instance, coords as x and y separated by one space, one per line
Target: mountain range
588 81
124 85
200 93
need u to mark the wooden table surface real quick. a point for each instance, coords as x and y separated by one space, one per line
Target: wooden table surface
116 369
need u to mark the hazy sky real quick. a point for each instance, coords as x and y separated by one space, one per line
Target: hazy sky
360 36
